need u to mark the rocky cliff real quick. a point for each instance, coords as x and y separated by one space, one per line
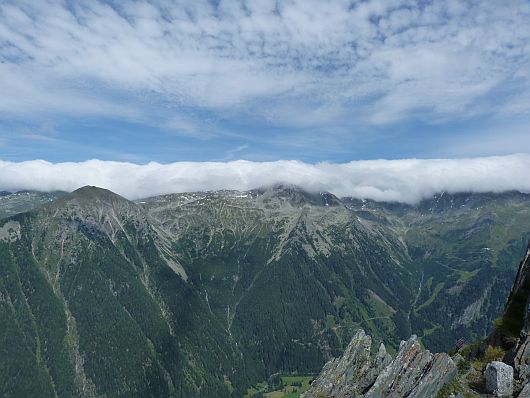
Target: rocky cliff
513 329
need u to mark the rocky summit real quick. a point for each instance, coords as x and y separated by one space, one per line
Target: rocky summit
414 372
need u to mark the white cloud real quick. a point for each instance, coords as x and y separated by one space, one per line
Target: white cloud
407 180
383 57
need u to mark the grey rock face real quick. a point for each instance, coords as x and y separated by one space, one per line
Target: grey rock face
525 392
522 360
520 288
351 374
499 379
414 373
457 358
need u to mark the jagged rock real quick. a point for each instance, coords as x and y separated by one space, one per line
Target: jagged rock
525 392
457 358
351 374
499 379
415 372
521 291
522 360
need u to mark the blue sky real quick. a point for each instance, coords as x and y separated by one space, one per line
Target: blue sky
263 80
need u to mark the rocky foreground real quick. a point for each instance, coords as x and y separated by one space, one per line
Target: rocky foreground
414 372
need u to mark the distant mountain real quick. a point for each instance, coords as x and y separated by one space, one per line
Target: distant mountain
206 294
466 247
19 202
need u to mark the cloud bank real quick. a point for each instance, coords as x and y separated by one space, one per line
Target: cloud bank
406 180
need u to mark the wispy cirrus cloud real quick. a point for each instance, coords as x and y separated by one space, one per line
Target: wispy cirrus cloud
339 62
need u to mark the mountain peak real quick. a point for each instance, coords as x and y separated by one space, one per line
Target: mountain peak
91 191
93 209
298 196
92 196
90 202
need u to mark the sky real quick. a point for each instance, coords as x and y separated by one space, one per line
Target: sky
316 82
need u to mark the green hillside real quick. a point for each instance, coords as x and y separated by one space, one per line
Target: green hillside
467 248
208 294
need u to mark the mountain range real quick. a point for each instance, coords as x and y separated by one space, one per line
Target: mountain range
206 294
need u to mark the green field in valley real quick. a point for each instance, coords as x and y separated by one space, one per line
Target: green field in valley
288 387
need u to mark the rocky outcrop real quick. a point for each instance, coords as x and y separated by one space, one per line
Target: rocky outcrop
522 360
511 339
414 372
525 393
353 373
514 333
518 302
